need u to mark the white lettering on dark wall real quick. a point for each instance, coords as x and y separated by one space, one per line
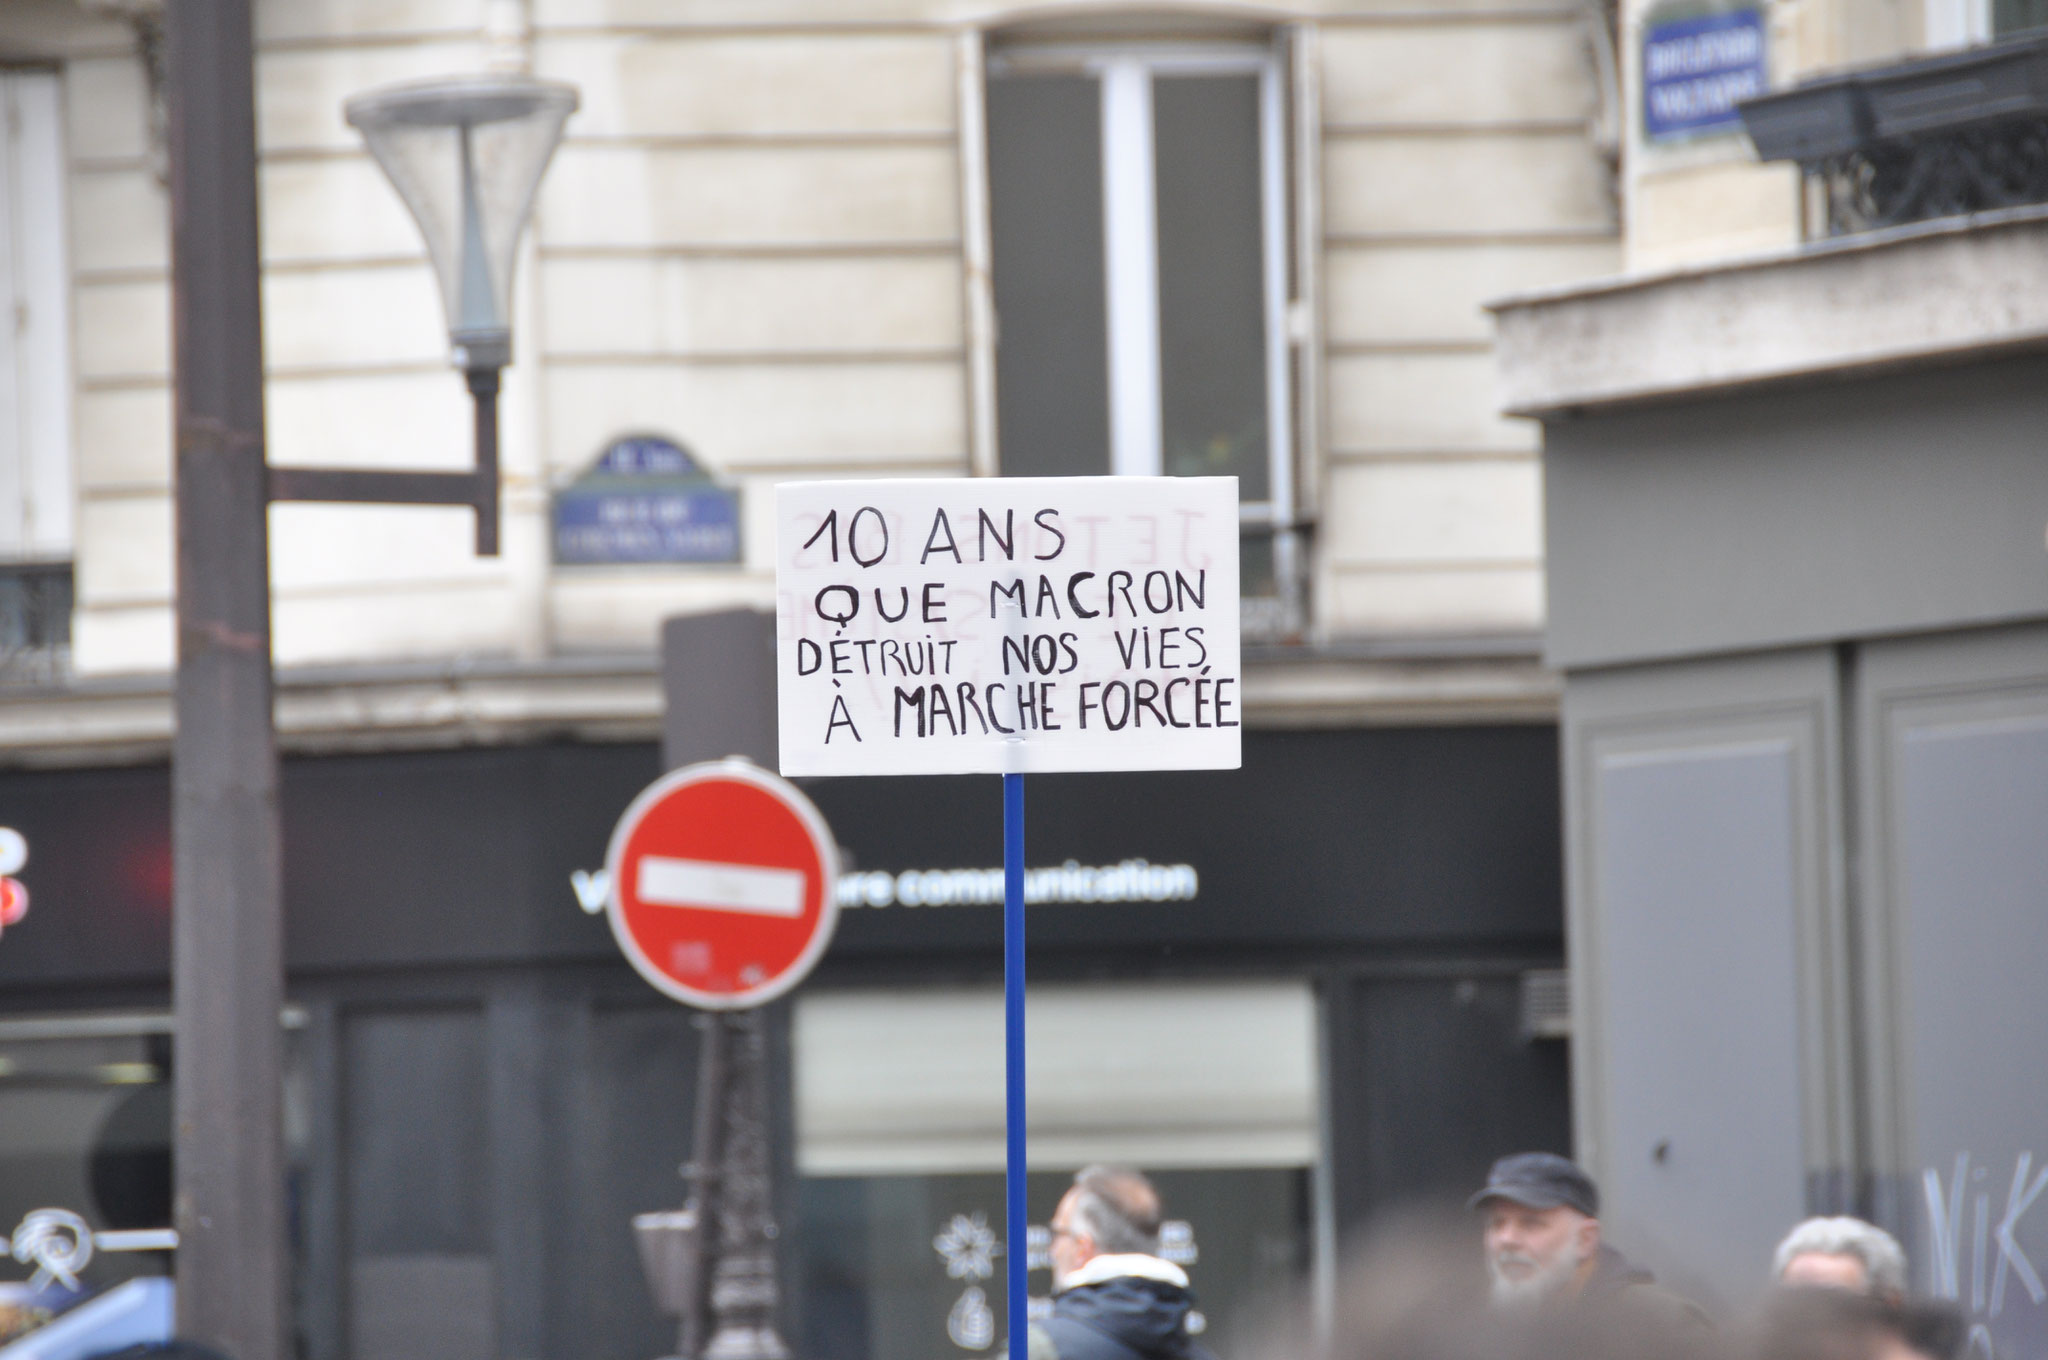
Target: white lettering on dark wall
1131 880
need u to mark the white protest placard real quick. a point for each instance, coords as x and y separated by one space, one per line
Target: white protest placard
1007 625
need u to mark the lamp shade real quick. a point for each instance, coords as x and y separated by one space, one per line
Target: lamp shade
466 153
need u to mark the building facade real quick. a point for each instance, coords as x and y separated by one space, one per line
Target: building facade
775 239
1796 590
791 241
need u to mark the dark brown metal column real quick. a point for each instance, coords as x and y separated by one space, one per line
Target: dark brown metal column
741 1232
227 971
483 391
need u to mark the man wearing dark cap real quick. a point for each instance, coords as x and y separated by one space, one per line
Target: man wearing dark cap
1543 1250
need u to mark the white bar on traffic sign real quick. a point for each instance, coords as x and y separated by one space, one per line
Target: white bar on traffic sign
710 886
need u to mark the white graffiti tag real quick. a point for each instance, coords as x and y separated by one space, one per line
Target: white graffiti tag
58 1242
1945 1231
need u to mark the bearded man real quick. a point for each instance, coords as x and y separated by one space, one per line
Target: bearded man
1544 1255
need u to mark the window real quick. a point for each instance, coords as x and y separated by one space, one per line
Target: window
1967 23
1211 1087
35 374
2009 17
1138 226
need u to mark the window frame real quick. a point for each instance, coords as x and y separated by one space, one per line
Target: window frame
1950 25
1125 70
38 519
1955 23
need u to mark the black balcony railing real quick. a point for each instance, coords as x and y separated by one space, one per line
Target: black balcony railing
35 621
1961 133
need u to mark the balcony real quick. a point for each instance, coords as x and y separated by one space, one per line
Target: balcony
1942 136
35 622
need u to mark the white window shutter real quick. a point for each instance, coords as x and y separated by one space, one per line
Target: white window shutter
35 330
1305 303
903 1081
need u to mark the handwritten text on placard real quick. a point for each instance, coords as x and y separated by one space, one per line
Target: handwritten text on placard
1008 625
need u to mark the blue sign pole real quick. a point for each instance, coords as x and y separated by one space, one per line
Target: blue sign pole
1014 1212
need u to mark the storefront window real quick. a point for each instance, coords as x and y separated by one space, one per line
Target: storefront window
1139 238
85 1158
913 1265
2009 17
1209 1088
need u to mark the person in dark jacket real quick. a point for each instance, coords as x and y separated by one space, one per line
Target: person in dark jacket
1113 1297
1544 1253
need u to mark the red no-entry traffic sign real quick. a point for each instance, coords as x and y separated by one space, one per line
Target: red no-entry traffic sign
723 884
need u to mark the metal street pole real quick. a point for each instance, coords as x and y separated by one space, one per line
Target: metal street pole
704 1168
718 682
227 945
741 1231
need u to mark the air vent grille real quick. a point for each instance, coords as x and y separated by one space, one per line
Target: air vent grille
1547 1004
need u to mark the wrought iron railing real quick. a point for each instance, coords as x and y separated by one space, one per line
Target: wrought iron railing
35 622
1938 137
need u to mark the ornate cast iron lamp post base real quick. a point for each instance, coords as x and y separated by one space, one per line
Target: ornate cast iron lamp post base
717 1262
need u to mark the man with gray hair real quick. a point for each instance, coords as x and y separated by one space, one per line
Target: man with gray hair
1842 1253
1113 1297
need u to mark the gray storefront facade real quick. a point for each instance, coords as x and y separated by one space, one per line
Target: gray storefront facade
1799 595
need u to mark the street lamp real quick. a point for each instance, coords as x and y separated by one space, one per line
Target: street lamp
227 919
466 153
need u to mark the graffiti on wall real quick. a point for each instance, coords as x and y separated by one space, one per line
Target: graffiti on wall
1975 1256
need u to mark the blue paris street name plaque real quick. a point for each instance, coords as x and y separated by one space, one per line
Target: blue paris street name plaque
1696 69
646 500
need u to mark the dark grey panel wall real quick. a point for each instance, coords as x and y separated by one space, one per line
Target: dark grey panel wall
1363 838
1706 944
718 683
1697 886
632 1133
1958 811
1370 837
1851 508
480 1145
1430 1080
421 1283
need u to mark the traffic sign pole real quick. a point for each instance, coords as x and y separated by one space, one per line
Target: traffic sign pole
861 608
1014 1213
723 894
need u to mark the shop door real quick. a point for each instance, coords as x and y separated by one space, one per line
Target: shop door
1954 839
1707 940
421 1283
477 1163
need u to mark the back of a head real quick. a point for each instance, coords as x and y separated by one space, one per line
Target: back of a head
1884 1261
1119 1209
1412 1289
1821 1324
1834 1324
